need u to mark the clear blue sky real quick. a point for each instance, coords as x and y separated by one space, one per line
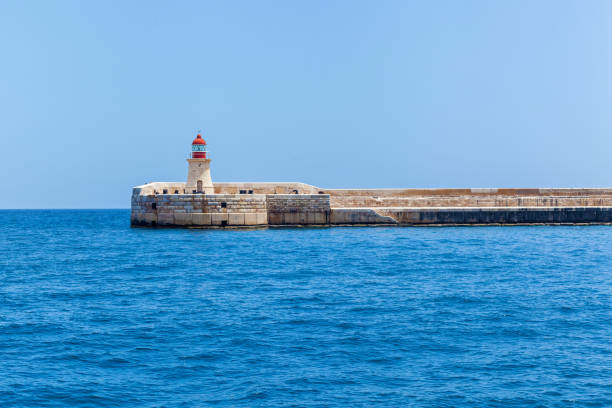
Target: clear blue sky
98 97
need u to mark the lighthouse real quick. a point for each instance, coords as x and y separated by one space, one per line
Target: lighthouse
198 176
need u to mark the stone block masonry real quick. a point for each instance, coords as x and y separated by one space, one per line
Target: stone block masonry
293 204
198 210
498 215
298 209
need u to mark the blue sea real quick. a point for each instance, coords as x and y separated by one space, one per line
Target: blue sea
94 313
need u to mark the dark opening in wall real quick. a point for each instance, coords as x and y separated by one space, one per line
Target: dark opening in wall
321 192
153 223
242 191
154 191
175 191
165 191
223 205
193 191
224 223
295 191
250 191
154 206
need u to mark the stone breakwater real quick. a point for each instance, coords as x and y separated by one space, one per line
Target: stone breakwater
278 204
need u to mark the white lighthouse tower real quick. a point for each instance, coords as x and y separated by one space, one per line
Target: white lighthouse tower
198 176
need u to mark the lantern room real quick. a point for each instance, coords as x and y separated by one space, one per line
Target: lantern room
198 148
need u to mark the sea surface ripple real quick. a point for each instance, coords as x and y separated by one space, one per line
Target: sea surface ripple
94 313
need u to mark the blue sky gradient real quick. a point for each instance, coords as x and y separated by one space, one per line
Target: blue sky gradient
98 97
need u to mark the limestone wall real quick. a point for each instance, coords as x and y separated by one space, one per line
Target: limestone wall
298 209
471 216
408 198
450 192
498 215
470 201
160 188
265 188
228 209
356 216
199 210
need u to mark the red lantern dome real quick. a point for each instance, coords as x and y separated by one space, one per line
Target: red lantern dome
199 140
198 148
